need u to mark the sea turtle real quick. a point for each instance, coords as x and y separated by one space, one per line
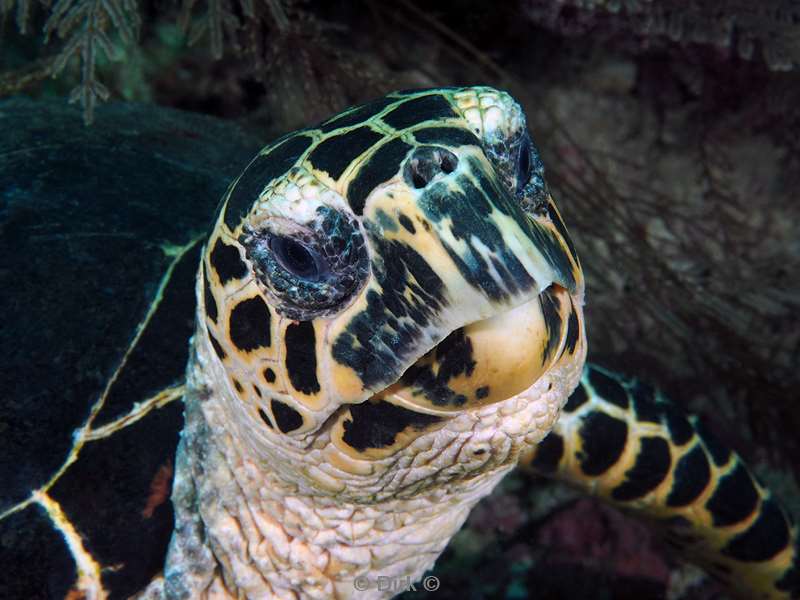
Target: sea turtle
388 320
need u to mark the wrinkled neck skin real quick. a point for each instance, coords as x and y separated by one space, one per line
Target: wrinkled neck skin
255 518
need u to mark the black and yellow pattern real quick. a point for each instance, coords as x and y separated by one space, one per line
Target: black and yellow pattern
413 224
625 442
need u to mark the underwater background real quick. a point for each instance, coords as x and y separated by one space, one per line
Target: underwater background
670 132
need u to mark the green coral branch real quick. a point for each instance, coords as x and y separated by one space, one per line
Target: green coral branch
218 21
86 29
84 26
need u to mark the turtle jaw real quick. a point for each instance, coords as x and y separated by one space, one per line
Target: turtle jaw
493 359
530 357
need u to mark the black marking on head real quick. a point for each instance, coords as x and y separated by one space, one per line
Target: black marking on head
385 221
336 153
301 357
734 499
215 344
468 207
482 392
407 223
546 243
269 375
454 356
417 110
286 418
692 475
508 279
505 202
651 468
446 136
608 388
578 398
265 418
766 536
257 390
426 163
356 115
719 452
604 440
250 324
237 385
372 347
559 225
552 321
208 296
376 424
227 262
573 330
381 167
264 168
548 454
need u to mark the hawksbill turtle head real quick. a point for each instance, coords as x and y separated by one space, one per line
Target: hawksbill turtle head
390 286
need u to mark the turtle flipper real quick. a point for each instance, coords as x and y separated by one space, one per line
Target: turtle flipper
622 441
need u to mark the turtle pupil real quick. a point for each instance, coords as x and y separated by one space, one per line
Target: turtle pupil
294 257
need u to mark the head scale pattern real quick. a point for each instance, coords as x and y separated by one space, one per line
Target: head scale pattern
363 276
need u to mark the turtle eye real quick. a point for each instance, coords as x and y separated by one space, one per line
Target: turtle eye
296 258
312 268
524 164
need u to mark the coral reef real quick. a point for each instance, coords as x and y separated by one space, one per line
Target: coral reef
748 29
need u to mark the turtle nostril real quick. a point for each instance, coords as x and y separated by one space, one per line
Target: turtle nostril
449 162
418 179
427 162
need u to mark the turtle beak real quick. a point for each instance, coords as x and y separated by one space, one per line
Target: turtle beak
494 358
518 269
471 298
